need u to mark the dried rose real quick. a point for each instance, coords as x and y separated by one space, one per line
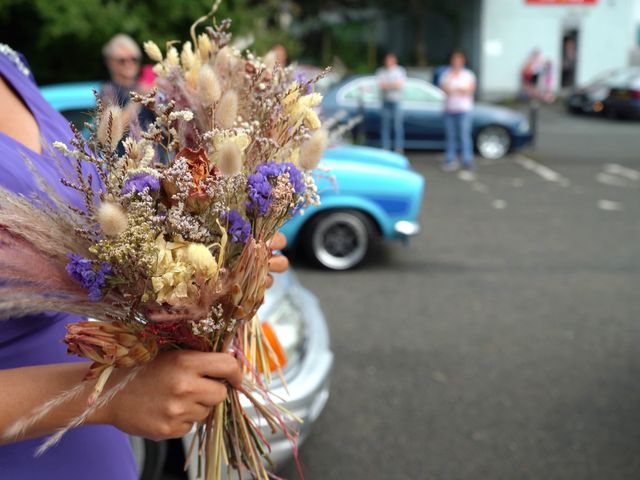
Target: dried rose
198 164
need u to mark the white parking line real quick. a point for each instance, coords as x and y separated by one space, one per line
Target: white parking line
499 204
472 179
610 205
542 171
625 172
611 180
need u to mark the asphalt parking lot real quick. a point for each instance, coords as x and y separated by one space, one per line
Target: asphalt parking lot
503 343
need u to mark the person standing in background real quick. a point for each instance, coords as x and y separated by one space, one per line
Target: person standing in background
391 78
459 84
530 73
122 56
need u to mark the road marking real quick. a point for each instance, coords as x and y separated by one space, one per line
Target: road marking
479 187
625 172
542 171
466 176
472 179
610 205
611 180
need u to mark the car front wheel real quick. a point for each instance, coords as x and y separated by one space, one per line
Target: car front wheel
493 142
339 240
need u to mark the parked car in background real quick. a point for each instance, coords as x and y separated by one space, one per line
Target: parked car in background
611 93
623 100
292 312
367 193
496 130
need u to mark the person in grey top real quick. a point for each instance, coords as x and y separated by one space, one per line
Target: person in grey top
391 79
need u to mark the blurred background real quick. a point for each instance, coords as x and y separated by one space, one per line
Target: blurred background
483 323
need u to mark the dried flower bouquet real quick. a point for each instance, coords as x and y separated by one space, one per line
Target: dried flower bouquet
168 247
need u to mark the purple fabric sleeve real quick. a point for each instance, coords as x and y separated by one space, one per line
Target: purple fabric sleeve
98 452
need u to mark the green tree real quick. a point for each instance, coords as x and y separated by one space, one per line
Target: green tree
62 39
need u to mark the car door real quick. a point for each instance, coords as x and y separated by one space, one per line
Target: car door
423 108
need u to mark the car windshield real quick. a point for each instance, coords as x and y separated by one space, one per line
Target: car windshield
366 90
420 91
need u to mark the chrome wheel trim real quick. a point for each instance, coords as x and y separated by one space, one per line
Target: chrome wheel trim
340 240
493 142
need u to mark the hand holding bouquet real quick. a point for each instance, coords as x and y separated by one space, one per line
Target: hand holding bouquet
169 248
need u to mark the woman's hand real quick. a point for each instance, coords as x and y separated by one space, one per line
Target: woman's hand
278 262
172 392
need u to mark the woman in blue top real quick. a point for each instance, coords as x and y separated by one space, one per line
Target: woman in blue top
175 390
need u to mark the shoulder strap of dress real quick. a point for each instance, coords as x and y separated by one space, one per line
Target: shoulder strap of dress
17 60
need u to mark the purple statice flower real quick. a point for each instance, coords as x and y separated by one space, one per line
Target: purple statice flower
260 184
238 228
89 274
258 192
295 177
301 78
139 181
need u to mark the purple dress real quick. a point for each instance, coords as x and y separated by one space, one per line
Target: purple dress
96 452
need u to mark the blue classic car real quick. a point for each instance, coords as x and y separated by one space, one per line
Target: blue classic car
496 130
366 193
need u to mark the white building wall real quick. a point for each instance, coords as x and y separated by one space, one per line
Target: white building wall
511 29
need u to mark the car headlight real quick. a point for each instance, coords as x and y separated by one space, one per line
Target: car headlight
524 126
288 323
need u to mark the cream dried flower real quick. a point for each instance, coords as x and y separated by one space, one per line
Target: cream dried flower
205 47
299 108
173 58
172 279
208 85
111 126
187 56
224 60
230 158
152 50
186 115
227 111
112 219
159 69
311 151
191 77
200 258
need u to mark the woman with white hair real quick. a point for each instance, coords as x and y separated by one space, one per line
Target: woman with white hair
122 55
